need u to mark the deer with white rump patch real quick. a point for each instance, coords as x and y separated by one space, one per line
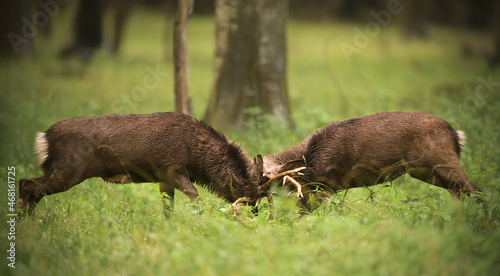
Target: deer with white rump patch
376 148
169 148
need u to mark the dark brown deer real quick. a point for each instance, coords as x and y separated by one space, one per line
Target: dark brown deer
170 148
376 148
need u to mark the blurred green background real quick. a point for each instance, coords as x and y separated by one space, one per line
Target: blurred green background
405 228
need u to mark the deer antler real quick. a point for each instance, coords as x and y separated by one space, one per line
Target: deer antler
236 206
286 176
294 182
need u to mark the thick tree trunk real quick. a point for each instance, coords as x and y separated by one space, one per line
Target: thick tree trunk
17 29
495 59
121 10
250 63
415 20
182 94
87 30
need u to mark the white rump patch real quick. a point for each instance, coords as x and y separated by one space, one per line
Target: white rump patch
462 139
41 147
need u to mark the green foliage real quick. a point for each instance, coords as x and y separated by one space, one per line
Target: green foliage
403 228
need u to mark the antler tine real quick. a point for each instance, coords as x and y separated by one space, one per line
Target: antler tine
238 201
258 201
294 182
285 173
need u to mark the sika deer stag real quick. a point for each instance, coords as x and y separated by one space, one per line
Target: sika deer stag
376 148
169 148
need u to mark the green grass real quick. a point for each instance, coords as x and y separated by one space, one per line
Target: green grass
405 228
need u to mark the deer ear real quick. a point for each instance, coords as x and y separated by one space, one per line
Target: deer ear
259 167
259 163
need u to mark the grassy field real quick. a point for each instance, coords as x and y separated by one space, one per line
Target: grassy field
404 228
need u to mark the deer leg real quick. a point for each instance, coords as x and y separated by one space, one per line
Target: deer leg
178 178
29 194
32 190
450 177
58 177
168 193
175 177
456 181
185 186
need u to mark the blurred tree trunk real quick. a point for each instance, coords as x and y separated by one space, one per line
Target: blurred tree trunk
87 30
415 22
250 63
121 11
17 29
182 94
495 60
